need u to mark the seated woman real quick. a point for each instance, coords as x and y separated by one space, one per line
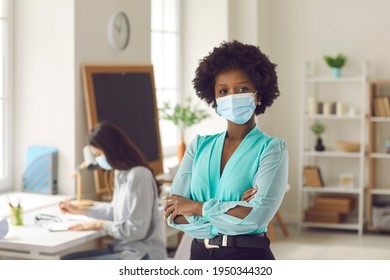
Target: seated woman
132 218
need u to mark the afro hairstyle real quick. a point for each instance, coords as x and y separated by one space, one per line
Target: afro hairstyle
238 56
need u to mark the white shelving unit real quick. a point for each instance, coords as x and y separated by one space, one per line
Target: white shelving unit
349 125
378 191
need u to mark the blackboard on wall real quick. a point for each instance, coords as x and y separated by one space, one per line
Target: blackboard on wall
125 95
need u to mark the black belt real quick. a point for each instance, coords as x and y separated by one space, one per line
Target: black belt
241 241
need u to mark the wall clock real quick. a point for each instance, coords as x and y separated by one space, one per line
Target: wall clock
118 31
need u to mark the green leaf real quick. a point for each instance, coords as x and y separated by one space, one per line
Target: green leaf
185 115
318 128
336 61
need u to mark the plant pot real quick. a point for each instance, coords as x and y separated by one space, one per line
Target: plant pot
319 147
181 149
336 72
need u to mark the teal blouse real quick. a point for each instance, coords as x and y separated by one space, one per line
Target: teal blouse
259 160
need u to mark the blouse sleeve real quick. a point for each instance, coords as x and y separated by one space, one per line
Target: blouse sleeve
103 212
140 200
271 181
196 226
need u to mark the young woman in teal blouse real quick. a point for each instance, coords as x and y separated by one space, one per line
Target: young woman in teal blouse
230 185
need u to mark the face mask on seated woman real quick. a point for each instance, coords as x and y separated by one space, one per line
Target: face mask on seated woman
102 162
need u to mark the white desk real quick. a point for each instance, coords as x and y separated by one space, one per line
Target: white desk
32 241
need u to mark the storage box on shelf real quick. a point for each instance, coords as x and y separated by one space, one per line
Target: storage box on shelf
321 216
381 217
378 154
339 104
329 209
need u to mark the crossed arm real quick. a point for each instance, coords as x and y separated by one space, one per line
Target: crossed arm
251 214
177 207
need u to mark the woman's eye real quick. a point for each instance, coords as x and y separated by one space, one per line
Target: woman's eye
222 91
243 89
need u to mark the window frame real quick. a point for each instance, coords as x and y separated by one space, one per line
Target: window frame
171 150
6 181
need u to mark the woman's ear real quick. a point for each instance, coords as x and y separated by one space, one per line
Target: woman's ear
257 98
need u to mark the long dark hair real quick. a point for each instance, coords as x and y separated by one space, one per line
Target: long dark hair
121 153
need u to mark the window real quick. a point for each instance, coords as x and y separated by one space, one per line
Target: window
165 58
5 121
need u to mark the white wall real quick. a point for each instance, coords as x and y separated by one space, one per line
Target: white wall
44 82
52 39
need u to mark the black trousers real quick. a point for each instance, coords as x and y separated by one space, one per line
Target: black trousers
200 252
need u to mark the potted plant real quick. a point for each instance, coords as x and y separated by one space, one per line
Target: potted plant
336 63
318 128
183 116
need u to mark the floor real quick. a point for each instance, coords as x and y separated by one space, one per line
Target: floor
322 244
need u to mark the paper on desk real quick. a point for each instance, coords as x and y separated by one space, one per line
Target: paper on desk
67 221
61 226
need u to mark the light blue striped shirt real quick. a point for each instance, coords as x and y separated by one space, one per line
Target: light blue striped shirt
259 160
133 217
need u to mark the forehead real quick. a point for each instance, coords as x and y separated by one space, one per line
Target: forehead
232 76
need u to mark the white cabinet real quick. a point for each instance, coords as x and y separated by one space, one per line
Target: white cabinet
340 105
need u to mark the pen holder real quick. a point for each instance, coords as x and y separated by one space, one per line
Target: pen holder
16 216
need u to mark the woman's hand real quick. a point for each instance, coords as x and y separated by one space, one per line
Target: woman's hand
178 205
94 225
67 207
249 194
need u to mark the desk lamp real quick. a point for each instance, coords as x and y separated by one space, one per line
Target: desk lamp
89 163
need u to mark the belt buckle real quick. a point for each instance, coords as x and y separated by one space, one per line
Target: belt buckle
210 246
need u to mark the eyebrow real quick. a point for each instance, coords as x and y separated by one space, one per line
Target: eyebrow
239 83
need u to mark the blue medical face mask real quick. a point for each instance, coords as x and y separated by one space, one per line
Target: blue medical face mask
102 161
237 108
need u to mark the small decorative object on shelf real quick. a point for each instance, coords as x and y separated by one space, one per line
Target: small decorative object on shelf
339 108
387 145
346 180
327 108
313 105
183 116
318 128
336 63
347 146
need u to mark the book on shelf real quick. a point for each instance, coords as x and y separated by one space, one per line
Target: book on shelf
377 113
312 176
381 106
386 105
